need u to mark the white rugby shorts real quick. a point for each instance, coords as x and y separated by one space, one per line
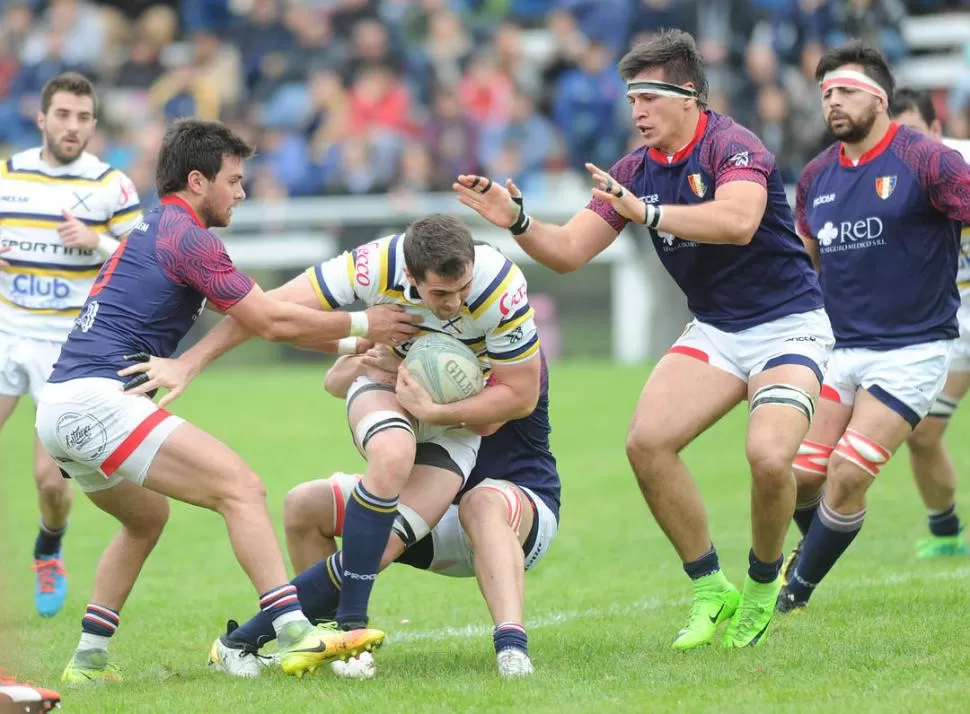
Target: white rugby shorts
960 361
907 380
98 434
804 338
25 364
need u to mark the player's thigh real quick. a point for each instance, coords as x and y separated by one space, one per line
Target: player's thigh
196 468
683 396
318 504
373 410
142 511
782 403
874 433
930 430
426 497
8 402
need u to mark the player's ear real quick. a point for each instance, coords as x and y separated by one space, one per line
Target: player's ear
41 121
196 182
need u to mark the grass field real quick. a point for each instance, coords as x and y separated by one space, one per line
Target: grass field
885 632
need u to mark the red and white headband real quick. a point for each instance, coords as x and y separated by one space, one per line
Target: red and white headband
851 79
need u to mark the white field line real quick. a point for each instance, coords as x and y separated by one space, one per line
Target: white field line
551 619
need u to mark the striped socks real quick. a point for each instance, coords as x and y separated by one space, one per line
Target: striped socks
828 538
97 626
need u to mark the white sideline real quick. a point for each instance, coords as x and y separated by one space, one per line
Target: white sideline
557 618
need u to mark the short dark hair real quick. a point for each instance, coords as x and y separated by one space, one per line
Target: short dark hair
907 98
872 61
438 244
673 50
195 145
70 82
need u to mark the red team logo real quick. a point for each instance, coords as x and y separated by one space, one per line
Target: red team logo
885 185
697 184
510 301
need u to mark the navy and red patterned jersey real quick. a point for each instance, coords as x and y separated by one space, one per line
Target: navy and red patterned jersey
732 287
888 232
149 293
520 452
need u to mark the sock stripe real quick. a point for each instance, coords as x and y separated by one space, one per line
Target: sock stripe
333 569
810 504
941 515
374 503
840 521
268 599
108 614
509 626
52 531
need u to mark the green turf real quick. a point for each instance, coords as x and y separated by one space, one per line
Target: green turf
885 633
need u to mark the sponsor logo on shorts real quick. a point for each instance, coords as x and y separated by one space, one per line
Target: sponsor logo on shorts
83 435
802 338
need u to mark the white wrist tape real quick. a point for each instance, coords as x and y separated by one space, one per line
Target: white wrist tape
347 346
358 324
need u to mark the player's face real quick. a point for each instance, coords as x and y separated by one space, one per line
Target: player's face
67 126
850 113
445 296
660 120
223 193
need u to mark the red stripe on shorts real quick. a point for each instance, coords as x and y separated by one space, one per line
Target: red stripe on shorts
133 441
830 393
689 352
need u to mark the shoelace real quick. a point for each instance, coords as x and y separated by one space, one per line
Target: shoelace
750 615
47 572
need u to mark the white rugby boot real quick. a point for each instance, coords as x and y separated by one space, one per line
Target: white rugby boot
513 662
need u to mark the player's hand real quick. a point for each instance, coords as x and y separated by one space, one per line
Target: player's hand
382 358
490 200
74 234
617 195
391 325
150 373
414 398
5 249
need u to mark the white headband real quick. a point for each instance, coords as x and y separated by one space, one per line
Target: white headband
663 89
848 78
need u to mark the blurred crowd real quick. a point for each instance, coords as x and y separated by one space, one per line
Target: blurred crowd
366 96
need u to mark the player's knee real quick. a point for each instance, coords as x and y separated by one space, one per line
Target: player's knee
241 487
846 478
481 505
390 458
50 483
149 522
645 448
928 435
307 507
770 465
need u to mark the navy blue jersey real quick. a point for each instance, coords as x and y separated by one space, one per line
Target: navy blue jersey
519 452
149 293
888 233
731 287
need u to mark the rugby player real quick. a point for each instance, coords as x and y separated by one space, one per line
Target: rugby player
127 454
500 525
713 199
63 211
933 468
881 212
471 292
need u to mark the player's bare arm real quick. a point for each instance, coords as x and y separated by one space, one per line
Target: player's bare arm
347 369
512 394
562 248
732 217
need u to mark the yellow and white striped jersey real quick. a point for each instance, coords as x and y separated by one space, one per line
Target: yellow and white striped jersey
963 271
46 283
496 320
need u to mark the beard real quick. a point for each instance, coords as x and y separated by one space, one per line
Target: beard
210 215
853 130
63 155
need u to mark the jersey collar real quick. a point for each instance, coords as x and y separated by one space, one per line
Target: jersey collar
182 203
668 159
875 151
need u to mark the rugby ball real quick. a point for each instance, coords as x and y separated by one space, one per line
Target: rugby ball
447 369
